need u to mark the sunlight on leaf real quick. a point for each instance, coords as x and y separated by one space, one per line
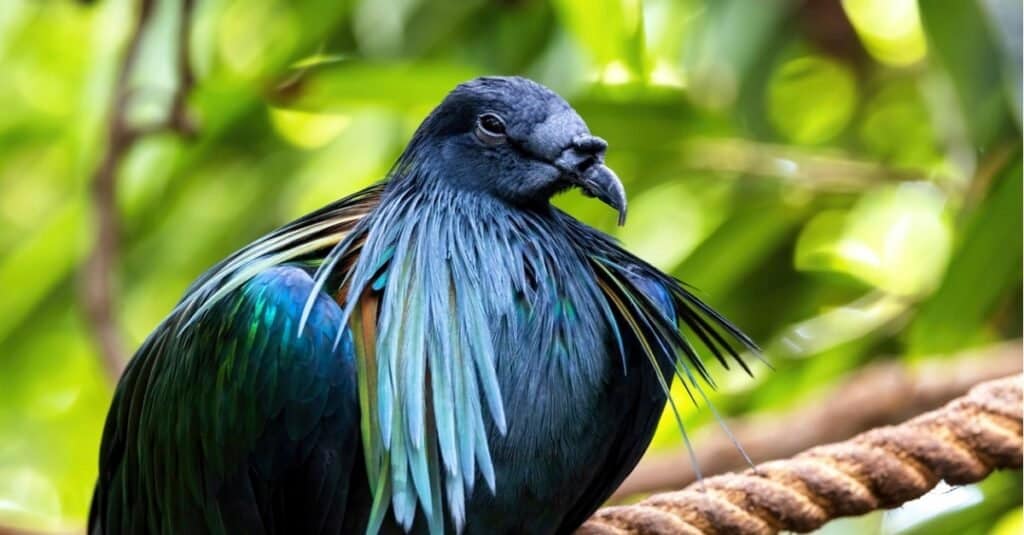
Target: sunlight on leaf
255 34
611 31
957 509
665 225
28 498
943 498
838 325
970 64
380 26
40 262
360 156
1010 524
898 127
811 99
895 239
890 29
341 86
308 130
986 265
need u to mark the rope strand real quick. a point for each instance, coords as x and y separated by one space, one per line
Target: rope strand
963 442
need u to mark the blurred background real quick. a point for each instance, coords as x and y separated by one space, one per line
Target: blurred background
842 179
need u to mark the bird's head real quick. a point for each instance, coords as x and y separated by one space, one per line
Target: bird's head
516 140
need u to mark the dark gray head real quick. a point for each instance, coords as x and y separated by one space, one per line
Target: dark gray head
517 140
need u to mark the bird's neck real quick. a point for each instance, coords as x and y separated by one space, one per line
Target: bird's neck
508 257
455 222
519 271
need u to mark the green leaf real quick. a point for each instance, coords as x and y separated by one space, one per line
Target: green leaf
255 38
843 324
40 263
666 222
896 239
733 250
611 31
342 85
970 62
985 266
890 30
1010 523
811 99
964 510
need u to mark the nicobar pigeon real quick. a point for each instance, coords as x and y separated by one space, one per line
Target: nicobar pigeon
443 352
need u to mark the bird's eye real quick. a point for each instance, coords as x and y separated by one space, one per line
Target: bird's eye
490 129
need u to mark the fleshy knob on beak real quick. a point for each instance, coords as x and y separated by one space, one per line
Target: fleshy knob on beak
583 163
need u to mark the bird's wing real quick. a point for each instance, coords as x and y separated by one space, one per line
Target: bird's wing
664 316
228 419
238 425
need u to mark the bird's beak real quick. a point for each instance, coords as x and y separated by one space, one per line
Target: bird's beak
601 182
583 165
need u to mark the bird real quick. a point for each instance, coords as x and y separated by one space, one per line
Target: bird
444 351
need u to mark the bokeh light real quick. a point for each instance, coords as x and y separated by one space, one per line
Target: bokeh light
811 99
890 29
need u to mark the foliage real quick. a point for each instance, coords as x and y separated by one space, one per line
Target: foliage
843 179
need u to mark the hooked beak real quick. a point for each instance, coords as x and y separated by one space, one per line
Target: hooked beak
583 165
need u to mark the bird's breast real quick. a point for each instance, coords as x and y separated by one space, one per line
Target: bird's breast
555 363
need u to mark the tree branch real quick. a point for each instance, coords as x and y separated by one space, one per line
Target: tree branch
795 165
99 292
880 394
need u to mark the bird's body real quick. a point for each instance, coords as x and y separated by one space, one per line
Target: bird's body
445 346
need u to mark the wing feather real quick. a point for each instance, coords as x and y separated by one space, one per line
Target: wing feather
252 399
210 438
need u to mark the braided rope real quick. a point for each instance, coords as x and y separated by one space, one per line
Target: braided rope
960 443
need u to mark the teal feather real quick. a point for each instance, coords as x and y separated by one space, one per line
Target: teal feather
380 282
442 389
414 372
465 417
403 496
444 378
483 456
435 515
